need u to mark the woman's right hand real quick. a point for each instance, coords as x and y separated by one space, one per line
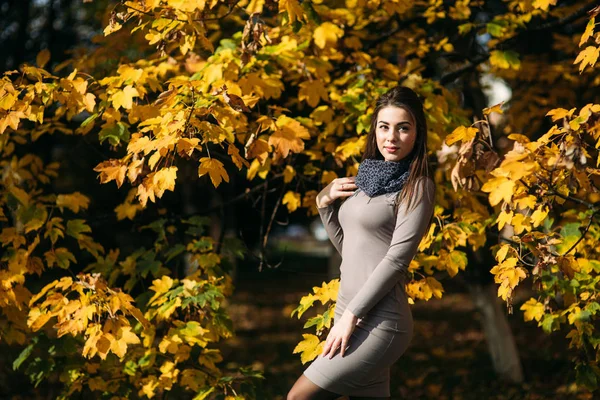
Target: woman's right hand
339 187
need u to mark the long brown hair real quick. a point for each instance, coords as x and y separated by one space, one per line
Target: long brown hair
406 98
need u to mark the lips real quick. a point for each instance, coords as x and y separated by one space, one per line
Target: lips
391 149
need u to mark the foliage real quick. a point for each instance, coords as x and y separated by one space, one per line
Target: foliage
279 92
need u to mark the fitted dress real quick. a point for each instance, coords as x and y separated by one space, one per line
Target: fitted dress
376 248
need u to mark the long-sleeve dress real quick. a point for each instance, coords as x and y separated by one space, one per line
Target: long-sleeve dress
377 248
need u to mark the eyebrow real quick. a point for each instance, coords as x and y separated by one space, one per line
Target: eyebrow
399 123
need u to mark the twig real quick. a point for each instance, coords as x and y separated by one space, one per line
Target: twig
587 228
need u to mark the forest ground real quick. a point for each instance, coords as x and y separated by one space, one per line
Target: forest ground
447 358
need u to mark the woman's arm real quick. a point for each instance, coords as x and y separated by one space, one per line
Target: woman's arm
329 216
408 232
328 209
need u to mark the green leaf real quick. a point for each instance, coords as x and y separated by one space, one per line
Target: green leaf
114 133
24 354
148 263
89 120
587 376
76 227
174 251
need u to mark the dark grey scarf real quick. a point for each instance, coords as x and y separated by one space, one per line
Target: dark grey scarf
376 177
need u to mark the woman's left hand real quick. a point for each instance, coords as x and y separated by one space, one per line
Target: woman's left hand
339 335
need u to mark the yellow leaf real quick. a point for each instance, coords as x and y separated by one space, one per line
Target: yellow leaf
124 98
327 35
560 113
310 348
313 92
111 170
42 58
164 179
539 215
237 159
463 133
589 30
501 254
328 176
215 170
496 108
289 136
288 174
293 9
543 4
20 194
123 338
505 59
73 201
127 210
500 188
504 218
292 200
187 146
533 309
139 143
588 56
351 147
112 27
327 291
435 286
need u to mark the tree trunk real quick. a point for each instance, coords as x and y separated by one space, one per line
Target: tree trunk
500 340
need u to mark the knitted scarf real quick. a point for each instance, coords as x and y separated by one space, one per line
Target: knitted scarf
376 177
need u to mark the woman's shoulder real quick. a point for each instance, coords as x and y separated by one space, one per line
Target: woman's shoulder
425 183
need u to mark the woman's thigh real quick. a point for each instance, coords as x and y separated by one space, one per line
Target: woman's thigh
305 389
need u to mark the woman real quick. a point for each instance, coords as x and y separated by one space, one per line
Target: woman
377 230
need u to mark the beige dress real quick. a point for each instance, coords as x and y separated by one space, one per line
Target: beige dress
376 248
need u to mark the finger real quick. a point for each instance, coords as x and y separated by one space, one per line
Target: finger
343 347
345 194
348 186
334 348
327 346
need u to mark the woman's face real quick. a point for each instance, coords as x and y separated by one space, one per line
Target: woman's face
395 133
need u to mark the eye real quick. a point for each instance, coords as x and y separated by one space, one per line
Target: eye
384 127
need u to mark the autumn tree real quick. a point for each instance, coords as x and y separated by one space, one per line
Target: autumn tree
273 98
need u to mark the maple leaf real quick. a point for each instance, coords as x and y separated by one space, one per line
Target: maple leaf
124 98
293 10
496 108
164 179
505 59
215 170
73 201
288 174
313 92
586 57
292 200
185 146
499 188
257 148
127 210
237 159
111 170
533 309
327 35
60 256
122 339
288 137
42 58
461 133
310 348
543 4
589 31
